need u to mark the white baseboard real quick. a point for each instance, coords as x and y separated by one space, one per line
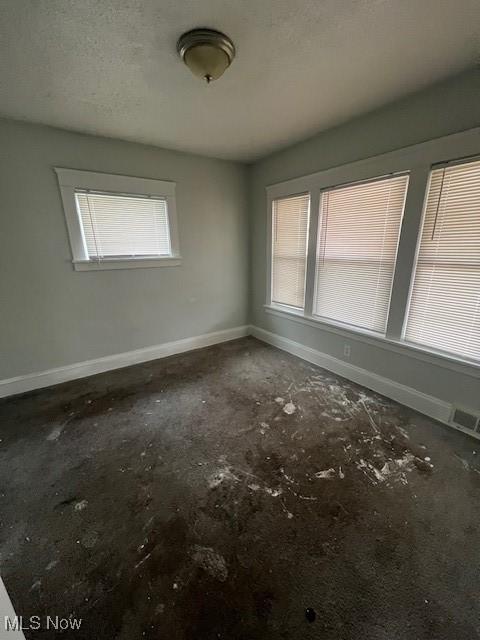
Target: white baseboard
426 404
31 381
422 402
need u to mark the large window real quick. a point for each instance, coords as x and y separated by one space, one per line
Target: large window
444 311
289 250
358 231
118 221
391 250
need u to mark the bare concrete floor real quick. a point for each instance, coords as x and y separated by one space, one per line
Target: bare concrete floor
221 493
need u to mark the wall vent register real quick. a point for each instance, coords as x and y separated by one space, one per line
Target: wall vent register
465 419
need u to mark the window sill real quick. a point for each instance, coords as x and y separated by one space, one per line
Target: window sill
126 263
370 337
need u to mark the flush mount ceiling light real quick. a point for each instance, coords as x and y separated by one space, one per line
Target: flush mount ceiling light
207 53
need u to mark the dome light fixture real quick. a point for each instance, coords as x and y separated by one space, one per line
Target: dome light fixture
207 53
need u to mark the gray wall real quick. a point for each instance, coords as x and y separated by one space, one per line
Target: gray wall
52 315
443 109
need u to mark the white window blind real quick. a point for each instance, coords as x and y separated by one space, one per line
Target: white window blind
358 233
116 225
289 249
444 310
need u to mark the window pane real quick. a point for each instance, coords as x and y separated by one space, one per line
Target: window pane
120 225
358 233
289 250
444 310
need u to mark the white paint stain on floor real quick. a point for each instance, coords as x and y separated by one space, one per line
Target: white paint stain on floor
341 404
56 432
273 492
224 474
326 474
393 470
51 564
289 408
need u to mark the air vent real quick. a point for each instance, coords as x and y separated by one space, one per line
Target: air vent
465 419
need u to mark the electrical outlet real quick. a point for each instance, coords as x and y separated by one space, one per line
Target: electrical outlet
346 350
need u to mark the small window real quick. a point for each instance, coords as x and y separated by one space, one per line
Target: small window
358 232
444 310
289 250
118 221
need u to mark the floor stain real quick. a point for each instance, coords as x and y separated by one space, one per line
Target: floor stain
236 492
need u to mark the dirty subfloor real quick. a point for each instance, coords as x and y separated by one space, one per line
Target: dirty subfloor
221 493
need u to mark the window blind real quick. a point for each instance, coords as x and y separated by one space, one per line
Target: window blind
289 249
444 310
116 225
358 233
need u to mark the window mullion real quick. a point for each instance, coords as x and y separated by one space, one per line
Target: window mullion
406 252
311 250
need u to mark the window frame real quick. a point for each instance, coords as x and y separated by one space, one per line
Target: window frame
416 160
71 179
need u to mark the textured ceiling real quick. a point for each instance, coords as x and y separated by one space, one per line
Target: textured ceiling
109 67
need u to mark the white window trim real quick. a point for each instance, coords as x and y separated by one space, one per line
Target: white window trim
417 160
71 179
